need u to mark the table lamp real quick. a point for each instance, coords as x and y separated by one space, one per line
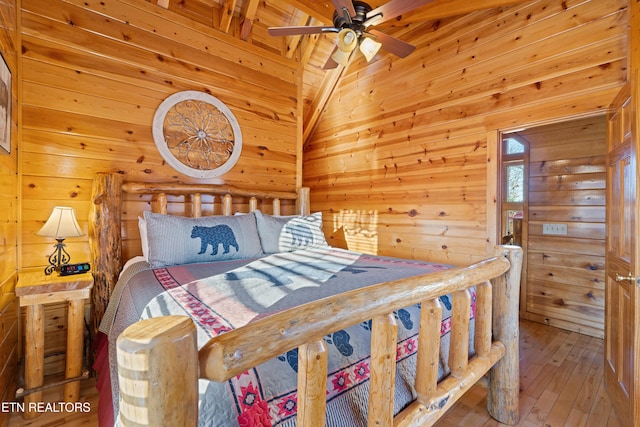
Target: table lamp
60 225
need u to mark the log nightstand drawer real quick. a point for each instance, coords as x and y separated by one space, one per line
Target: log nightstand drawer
35 289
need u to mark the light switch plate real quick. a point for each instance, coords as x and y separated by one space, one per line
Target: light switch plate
554 229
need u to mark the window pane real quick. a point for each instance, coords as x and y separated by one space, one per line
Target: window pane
513 146
513 225
515 183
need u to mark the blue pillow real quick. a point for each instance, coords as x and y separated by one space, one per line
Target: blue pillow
177 240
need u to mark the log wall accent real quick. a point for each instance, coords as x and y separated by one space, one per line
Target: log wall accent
398 162
105 245
565 276
9 216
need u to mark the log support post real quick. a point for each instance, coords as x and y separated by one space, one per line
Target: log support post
459 345
75 335
253 204
227 205
384 339
428 349
303 203
162 203
197 205
483 335
158 373
504 377
312 383
104 242
34 357
276 206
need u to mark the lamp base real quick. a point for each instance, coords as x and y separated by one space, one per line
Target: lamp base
58 258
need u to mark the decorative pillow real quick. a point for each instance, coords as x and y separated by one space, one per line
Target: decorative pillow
182 240
142 227
288 233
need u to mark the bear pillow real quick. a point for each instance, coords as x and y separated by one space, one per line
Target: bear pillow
288 233
177 240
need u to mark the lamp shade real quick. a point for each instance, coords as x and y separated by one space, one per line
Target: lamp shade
347 42
369 48
61 224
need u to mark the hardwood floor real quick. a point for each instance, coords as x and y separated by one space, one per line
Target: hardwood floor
560 377
561 383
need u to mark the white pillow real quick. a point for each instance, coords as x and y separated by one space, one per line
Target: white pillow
142 227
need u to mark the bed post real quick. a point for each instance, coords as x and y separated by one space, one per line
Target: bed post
104 242
303 203
504 377
158 373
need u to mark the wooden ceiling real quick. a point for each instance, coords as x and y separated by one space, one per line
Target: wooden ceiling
248 20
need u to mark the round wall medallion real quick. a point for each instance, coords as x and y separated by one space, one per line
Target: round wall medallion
197 134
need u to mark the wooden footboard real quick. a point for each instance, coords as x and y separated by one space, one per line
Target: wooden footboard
158 362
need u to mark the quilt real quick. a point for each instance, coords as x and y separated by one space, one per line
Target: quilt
225 295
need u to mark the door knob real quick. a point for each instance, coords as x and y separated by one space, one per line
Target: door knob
628 277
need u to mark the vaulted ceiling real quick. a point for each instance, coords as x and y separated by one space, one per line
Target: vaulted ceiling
248 20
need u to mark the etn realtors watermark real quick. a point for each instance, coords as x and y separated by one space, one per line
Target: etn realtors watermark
45 407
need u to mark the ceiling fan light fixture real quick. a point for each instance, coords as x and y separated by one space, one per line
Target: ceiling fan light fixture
369 48
341 57
347 42
352 21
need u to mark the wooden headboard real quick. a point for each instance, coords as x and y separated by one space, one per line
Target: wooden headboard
106 217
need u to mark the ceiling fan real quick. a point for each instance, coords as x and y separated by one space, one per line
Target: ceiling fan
352 21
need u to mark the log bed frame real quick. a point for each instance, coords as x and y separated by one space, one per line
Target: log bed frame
165 348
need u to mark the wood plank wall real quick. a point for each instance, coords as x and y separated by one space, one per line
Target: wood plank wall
93 76
9 218
567 185
402 160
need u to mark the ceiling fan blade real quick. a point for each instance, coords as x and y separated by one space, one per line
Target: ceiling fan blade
297 30
392 44
392 9
340 4
331 63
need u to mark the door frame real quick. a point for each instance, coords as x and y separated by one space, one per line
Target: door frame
494 189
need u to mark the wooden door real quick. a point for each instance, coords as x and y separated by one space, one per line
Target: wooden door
622 350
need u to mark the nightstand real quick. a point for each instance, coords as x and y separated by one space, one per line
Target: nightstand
35 289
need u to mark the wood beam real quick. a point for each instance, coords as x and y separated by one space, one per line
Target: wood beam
329 83
310 45
248 14
163 3
292 42
228 6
